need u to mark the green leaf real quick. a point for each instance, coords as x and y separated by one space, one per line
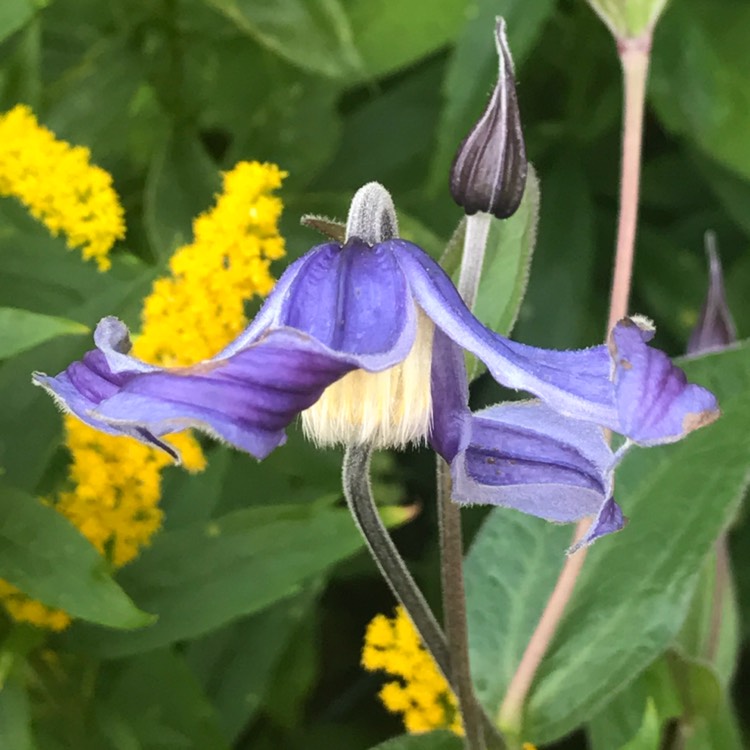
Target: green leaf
678 689
15 714
620 720
710 633
641 581
236 678
46 557
22 329
505 273
701 64
431 741
391 34
14 14
720 732
181 183
158 698
560 303
510 572
648 736
313 34
628 18
473 71
200 577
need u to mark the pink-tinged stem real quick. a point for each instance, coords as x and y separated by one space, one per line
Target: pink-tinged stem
634 57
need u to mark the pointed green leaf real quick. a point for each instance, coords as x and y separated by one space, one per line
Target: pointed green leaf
46 557
22 329
202 576
648 736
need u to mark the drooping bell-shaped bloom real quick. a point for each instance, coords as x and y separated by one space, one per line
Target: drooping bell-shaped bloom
365 340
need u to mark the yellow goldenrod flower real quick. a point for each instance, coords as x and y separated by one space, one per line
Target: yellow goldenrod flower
199 308
421 694
59 185
190 315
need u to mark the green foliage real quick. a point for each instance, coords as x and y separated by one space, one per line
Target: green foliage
21 330
45 556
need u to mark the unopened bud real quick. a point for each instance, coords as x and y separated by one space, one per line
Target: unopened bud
489 171
715 328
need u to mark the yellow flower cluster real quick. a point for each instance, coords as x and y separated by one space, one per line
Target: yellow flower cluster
189 315
196 310
422 695
59 185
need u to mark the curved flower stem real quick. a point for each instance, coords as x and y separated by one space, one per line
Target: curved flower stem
634 57
358 493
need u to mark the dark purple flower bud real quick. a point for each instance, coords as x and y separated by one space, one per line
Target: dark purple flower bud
489 171
715 328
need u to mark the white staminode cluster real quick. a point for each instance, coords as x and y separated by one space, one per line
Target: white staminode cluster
388 409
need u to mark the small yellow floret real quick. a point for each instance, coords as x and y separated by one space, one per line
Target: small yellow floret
59 185
388 409
421 695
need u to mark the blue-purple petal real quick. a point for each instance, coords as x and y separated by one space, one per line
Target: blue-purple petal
656 404
528 457
576 383
353 299
450 398
246 399
608 520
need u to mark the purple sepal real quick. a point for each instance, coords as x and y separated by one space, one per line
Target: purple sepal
655 402
526 456
450 397
608 520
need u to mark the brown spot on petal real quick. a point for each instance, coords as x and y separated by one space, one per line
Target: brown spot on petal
695 420
625 364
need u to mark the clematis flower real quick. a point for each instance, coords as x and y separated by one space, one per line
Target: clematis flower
365 340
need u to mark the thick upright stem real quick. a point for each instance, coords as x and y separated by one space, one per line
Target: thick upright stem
454 607
634 57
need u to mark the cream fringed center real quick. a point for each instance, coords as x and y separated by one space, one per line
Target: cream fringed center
387 409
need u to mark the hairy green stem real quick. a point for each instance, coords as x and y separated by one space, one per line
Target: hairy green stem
358 493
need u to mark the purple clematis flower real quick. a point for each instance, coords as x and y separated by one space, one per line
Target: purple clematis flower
365 340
